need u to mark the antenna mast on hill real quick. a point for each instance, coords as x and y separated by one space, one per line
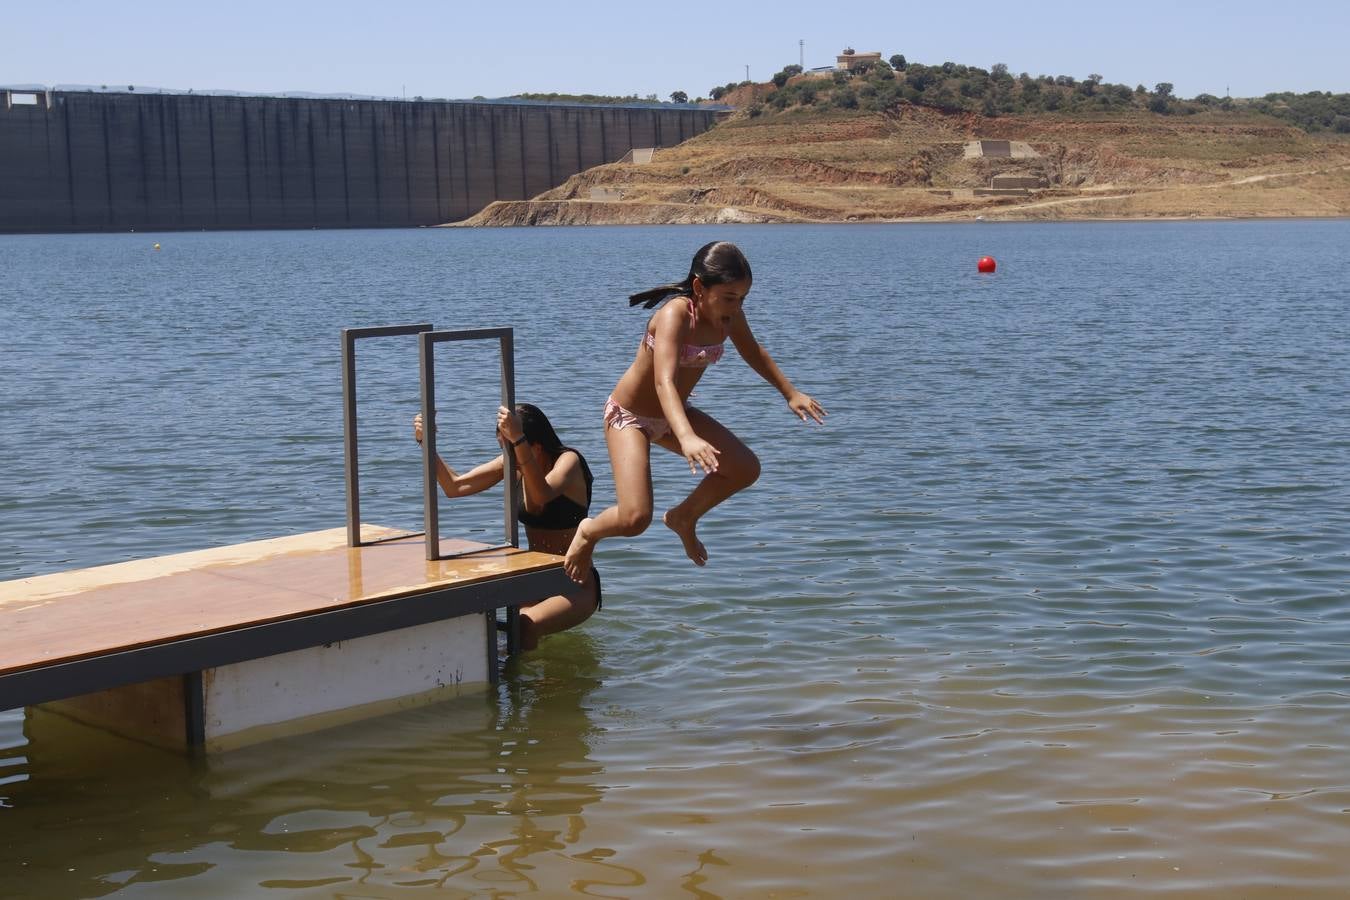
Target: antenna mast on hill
801 53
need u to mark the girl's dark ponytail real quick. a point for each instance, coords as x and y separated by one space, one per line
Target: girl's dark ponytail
655 296
719 262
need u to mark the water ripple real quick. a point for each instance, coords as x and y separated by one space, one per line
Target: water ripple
1056 605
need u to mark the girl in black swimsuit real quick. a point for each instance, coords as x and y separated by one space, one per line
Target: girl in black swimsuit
556 496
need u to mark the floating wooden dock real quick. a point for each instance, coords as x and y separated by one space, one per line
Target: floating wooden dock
214 649
224 647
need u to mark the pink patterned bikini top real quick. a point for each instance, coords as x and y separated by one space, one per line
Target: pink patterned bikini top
692 356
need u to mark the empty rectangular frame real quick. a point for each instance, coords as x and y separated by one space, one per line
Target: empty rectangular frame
427 342
349 338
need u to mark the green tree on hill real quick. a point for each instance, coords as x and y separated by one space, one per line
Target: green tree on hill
920 78
781 78
1161 99
953 86
1314 111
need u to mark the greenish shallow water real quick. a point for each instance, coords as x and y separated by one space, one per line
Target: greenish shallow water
1054 606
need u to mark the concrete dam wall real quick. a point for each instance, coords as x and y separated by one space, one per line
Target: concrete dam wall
89 161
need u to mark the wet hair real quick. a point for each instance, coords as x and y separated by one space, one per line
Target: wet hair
538 429
717 263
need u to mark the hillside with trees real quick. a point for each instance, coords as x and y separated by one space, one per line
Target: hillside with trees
996 91
897 140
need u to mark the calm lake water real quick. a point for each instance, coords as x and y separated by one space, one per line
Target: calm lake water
1056 605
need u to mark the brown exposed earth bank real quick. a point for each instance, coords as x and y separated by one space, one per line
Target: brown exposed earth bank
918 163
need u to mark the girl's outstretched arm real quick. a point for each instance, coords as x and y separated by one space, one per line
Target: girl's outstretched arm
755 356
477 479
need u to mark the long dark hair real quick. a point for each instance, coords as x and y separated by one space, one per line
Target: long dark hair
717 263
538 430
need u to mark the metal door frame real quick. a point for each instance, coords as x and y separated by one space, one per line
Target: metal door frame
430 494
349 338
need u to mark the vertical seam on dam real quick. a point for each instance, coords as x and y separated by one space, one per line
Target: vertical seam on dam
107 170
248 161
313 173
178 164
70 164
407 166
346 170
377 169
215 188
436 162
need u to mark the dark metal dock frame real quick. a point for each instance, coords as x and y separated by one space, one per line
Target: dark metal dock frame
427 340
189 656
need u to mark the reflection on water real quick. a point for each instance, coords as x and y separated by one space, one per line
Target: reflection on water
1057 605
482 792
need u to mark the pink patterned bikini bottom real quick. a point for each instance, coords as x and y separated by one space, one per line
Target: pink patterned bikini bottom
618 418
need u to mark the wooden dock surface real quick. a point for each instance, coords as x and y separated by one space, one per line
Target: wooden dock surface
111 611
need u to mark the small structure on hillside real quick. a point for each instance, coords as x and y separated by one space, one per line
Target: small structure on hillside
986 149
851 59
1013 185
1026 182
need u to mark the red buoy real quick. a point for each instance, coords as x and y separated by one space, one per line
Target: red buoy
987 264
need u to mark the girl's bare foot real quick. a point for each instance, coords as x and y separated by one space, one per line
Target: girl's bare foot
577 561
693 547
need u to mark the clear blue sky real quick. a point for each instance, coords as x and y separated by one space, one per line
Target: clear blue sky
462 49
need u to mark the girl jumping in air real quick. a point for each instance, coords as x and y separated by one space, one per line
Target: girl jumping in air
650 405
557 495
